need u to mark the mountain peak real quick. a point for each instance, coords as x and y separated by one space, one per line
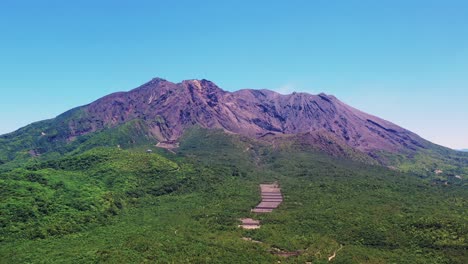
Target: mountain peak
197 84
169 109
156 80
327 97
202 86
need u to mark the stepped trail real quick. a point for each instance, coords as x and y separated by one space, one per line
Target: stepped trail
271 199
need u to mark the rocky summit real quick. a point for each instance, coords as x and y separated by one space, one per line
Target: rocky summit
168 109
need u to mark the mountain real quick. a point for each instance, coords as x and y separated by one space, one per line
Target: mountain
162 111
169 109
92 184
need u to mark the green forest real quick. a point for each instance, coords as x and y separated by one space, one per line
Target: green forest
109 204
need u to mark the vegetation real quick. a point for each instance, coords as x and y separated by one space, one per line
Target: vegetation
438 166
67 195
127 206
39 141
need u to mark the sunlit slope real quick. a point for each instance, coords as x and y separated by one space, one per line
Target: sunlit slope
116 205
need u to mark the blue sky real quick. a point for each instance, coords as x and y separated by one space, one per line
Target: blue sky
405 61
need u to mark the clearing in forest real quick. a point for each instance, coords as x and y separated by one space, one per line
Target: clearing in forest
271 199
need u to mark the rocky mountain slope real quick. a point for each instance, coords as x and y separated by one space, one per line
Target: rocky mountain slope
162 111
170 108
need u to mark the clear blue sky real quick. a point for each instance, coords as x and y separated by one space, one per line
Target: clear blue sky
405 61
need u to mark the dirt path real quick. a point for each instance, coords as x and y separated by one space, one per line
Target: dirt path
251 240
276 251
271 198
330 258
249 223
169 145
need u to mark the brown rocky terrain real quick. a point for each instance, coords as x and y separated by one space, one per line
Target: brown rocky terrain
161 112
170 108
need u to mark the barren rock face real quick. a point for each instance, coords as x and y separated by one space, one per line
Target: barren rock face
170 108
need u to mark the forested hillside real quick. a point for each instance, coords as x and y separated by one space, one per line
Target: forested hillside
113 205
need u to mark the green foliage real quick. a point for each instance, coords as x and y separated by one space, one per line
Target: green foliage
38 138
51 139
425 163
131 134
108 205
64 196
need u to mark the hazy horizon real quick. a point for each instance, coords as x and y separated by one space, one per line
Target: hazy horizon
403 62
